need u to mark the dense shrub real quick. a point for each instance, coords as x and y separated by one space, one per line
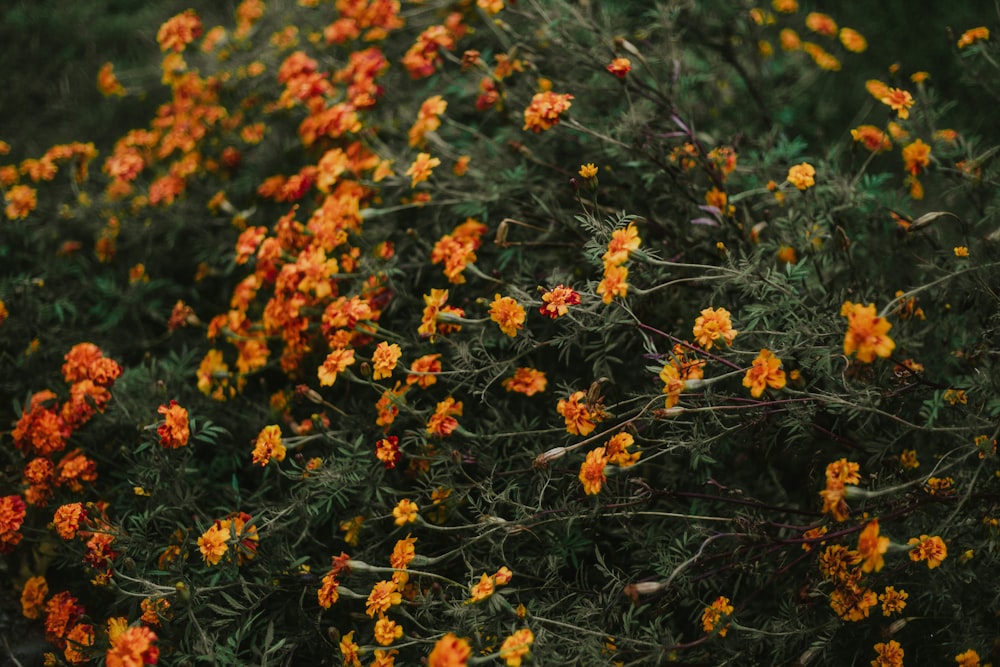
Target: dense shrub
467 332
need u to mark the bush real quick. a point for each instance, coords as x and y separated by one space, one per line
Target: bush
469 332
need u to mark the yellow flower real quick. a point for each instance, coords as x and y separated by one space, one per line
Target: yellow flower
853 40
351 528
931 549
871 546
421 168
385 357
889 655
336 362
592 471
973 35
268 446
588 170
624 241
405 512
916 157
967 659
802 176
349 650
387 631
508 314
893 601
961 251
899 101
578 419
483 589
712 325
908 459
866 334
383 596
516 647
765 372
213 544
715 614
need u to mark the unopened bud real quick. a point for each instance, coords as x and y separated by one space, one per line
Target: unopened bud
542 460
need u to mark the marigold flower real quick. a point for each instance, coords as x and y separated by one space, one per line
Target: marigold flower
385 357
268 446
614 283
802 176
916 157
403 552
67 519
78 639
715 614
866 334
889 654
33 595
899 101
853 602
893 601
387 631
527 381
349 650
383 596
442 423
336 362
179 31
790 40
587 171
12 512
822 58
871 546
154 609
422 168
449 651
931 549
62 612
556 302
517 647
544 110
404 512
765 372
620 67
423 370
352 528
785 6
616 450
712 325
673 383
174 431
871 138
822 24
213 544
508 314
908 459
579 420
961 251
967 659
853 40
387 451
327 595
973 35
624 241
592 471
482 589
21 200
107 83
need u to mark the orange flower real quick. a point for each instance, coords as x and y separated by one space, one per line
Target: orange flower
614 283
327 595
442 423
866 332
620 67
67 520
785 6
33 595
853 40
544 110
174 431
822 24
154 609
449 651
716 198
967 659
107 83
423 370
517 647
714 324
352 528
715 614
822 58
336 362
21 200
213 544
12 512
179 31
973 35
802 176
872 138
421 168
556 302
387 631
387 451
889 654
893 601
576 414
790 40
624 241
483 589
61 613
592 471
899 101
871 546
508 314
765 371
78 639
427 119
349 650
908 459
673 383
527 381
916 157
616 450
385 357
404 512
931 549
133 648
383 596
403 552
268 446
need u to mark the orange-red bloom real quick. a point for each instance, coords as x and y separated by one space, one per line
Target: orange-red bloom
443 421
544 110
268 446
12 512
916 157
898 100
866 334
556 302
174 431
449 651
620 67
179 31
133 648
527 381
715 614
